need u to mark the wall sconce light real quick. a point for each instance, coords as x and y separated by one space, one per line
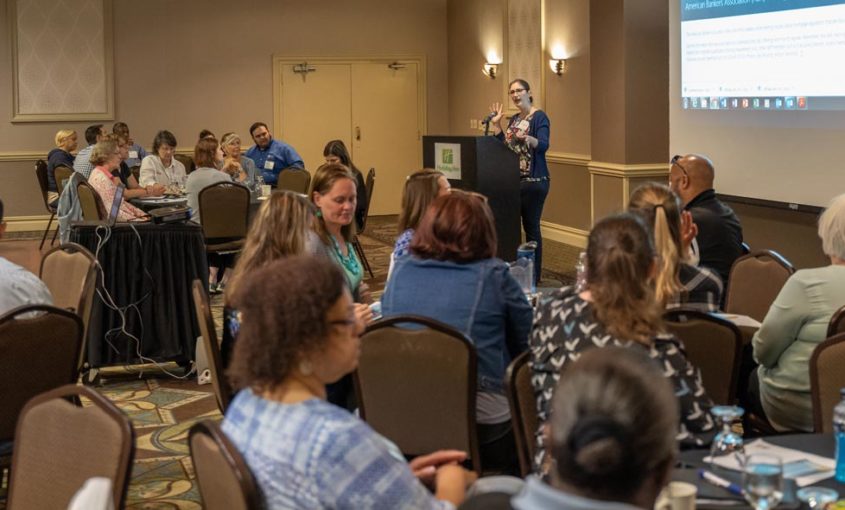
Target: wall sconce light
558 65
490 70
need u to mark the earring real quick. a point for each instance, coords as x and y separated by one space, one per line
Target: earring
319 213
305 367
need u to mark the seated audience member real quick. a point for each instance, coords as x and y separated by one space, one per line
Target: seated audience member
241 168
718 242
280 229
19 287
299 333
60 156
421 188
333 192
106 158
795 324
677 283
208 158
611 436
82 161
124 173
135 153
335 152
161 167
618 308
452 276
271 156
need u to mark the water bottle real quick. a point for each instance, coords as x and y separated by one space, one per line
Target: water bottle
525 256
581 272
839 430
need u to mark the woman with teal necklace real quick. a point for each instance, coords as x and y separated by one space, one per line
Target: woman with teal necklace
334 193
335 196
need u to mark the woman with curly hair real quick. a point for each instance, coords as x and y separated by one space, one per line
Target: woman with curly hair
299 333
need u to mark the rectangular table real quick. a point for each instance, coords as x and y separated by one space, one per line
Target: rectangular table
152 267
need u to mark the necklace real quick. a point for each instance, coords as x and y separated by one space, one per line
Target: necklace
349 261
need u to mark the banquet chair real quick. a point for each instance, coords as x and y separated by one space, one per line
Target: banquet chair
523 406
755 281
714 346
40 346
70 273
837 323
222 391
62 173
136 172
90 202
224 209
826 380
59 445
186 160
294 179
224 479
41 175
356 243
416 385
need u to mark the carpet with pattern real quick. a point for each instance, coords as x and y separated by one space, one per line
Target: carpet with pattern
163 408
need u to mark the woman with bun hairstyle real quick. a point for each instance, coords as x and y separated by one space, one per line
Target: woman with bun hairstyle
611 435
618 308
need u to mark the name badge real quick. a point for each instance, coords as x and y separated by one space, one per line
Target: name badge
523 125
268 164
133 154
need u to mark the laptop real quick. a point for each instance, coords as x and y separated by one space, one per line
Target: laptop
113 212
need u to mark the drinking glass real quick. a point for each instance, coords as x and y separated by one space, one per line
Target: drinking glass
523 272
762 481
727 442
817 497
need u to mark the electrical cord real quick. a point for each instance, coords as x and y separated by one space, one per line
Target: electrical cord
108 300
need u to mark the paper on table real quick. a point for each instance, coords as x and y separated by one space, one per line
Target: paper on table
824 466
739 320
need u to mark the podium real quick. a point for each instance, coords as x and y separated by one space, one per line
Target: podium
485 165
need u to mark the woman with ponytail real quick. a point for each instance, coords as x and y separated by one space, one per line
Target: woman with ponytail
618 308
676 284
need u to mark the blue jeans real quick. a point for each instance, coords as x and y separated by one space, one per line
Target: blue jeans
533 196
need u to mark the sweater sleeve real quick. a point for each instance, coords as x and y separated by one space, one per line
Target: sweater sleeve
541 131
782 323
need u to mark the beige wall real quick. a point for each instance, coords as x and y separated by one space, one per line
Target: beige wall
193 64
477 27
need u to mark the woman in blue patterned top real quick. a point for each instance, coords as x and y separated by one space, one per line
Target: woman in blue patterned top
527 134
298 333
421 188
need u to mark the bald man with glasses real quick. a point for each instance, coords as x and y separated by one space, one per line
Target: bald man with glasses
718 241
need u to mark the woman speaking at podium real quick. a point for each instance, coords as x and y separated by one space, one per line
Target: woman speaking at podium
527 134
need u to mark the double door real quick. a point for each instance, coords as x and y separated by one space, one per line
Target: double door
376 107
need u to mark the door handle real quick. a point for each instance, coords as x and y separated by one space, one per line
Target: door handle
357 133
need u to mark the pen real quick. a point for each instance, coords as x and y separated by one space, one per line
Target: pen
718 481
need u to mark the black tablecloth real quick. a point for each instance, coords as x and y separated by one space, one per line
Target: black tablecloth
818 444
155 270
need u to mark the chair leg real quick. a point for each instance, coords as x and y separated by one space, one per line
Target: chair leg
46 230
55 234
360 249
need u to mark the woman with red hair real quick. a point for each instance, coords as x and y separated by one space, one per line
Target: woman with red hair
452 275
